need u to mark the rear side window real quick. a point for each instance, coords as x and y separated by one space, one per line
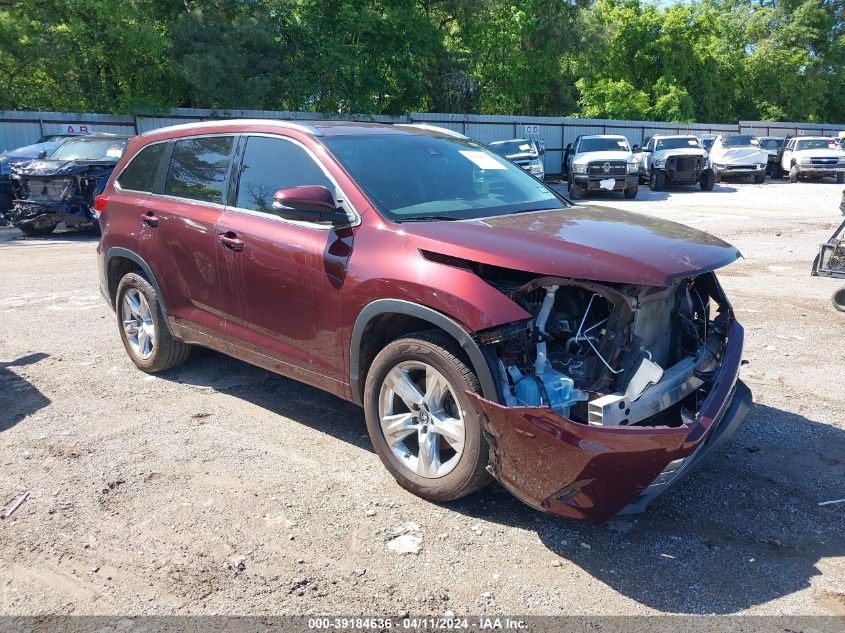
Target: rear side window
270 164
198 168
140 175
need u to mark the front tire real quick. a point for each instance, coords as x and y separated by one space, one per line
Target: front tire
573 189
658 180
793 174
422 424
840 179
631 192
145 335
707 180
759 179
31 230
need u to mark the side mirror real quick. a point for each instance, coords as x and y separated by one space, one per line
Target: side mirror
637 149
42 154
311 203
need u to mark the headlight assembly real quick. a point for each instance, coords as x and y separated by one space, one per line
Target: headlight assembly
660 162
632 168
579 168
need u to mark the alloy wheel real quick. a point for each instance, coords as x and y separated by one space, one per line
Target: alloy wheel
137 319
421 419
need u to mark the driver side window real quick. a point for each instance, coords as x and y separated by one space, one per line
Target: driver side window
270 164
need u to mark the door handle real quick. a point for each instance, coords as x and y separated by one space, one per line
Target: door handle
150 219
231 241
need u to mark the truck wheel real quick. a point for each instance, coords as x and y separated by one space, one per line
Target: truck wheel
420 420
793 174
840 179
759 179
631 192
777 171
838 299
658 180
31 230
708 179
573 189
145 335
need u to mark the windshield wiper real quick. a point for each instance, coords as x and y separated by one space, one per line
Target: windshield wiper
428 218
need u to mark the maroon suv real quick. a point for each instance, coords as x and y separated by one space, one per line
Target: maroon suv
587 358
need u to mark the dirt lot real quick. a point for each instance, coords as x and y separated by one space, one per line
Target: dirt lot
221 488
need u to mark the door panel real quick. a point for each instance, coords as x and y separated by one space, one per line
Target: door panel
180 230
289 276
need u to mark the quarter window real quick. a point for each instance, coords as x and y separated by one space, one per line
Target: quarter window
140 175
270 164
198 168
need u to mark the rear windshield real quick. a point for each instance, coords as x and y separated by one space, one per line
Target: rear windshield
737 140
91 149
677 143
604 145
771 143
707 142
416 177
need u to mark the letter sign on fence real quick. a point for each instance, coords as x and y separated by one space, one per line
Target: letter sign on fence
532 130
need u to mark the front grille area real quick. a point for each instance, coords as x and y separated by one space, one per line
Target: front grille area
48 190
825 161
682 164
607 168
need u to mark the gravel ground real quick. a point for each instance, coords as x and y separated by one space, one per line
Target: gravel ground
222 488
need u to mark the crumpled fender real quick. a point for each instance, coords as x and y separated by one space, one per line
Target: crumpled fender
590 473
61 168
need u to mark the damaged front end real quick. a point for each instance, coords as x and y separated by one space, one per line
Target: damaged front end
611 393
48 192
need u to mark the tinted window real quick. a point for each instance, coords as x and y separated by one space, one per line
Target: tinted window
683 142
198 168
738 140
270 164
140 175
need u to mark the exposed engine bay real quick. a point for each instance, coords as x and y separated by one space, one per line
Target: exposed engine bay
609 354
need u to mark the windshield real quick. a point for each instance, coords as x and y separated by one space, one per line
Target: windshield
509 148
604 145
737 140
813 143
106 149
771 143
410 176
677 143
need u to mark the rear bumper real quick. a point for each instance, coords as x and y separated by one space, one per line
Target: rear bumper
591 473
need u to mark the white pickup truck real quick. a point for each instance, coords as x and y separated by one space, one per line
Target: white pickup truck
735 155
812 157
674 160
600 162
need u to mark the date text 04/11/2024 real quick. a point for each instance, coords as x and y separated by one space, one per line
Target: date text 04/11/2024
483 623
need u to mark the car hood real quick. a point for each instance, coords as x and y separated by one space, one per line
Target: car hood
681 151
47 167
593 243
608 155
739 155
819 153
522 156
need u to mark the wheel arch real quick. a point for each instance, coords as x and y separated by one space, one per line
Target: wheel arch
384 320
120 261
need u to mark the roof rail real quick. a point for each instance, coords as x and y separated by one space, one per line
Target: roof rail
226 122
434 128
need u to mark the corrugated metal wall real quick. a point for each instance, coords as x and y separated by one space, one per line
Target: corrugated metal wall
22 128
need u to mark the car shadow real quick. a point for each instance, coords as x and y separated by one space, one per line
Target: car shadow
18 397
745 529
11 236
645 194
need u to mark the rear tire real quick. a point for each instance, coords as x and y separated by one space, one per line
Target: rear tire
707 180
144 333
412 361
37 231
631 192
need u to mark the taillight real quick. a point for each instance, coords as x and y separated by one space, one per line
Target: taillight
100 203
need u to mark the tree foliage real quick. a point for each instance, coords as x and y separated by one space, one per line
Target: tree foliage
705 60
